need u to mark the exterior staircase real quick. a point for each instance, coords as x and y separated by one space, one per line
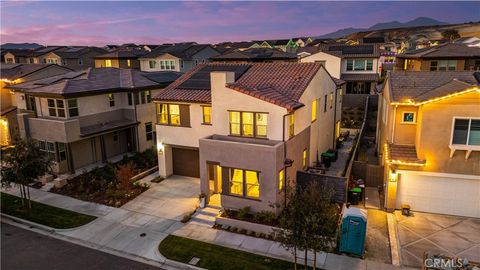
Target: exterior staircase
206 216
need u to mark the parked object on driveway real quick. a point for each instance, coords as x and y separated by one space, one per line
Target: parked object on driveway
353 231
405 209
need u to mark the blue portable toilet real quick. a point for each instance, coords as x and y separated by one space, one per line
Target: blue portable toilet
353 231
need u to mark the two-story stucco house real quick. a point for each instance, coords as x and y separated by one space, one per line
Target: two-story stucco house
444 57
357 65
124 57
177 57
236 126
429 135
76 58
11 74
86 117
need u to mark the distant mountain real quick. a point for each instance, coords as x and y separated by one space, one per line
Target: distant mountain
420 21
11 46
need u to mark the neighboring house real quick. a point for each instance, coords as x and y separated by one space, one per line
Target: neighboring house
429 135
178 57
11 74
286 45
120 58
255 55
448 56
469 41
18 56
43 56
236 125
231 46
87 117
357 65
302 41
76 58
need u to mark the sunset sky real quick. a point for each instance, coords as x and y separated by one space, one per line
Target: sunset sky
102 22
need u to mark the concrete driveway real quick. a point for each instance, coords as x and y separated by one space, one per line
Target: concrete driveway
171 199
441 234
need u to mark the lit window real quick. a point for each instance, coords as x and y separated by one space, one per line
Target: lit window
251 182
162 113
152 64
129 63
111 99
466 132
234 123
108 63
261 123
247 124
236 181
408 118
314 110
174 112
304 159
291 126
207 114
281 179
331 100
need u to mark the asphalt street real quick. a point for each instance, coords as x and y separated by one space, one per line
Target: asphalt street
25 250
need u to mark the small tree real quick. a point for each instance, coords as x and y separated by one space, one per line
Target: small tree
124 173
450 34
22 165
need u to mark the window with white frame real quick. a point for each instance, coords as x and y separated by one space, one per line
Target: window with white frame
152 64
149 131
52 61
72 107
466 131
408 118
359 64
55 151
167 64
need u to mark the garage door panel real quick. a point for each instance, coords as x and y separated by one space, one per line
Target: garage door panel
186 162
443 195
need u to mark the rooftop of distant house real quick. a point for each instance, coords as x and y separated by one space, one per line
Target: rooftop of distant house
444 50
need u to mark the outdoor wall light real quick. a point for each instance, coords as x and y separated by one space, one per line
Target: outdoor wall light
393 176
160 148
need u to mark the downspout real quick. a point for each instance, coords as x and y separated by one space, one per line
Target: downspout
393 128
284 159
136 120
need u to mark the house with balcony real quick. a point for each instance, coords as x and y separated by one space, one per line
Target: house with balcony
357 65
245 129
87 117
123 57
429 137
11 74
180 57
444 57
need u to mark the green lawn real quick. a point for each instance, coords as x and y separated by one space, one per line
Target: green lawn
47 215
215 257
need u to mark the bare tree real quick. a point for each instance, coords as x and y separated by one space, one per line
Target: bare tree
22 165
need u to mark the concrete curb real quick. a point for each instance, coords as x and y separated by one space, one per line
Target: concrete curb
51 232
43 227
392 235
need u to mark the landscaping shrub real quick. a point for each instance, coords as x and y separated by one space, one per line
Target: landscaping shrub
243 212
265 217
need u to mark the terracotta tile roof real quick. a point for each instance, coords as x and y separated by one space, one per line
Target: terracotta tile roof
279 83
403 154
338 82
420 86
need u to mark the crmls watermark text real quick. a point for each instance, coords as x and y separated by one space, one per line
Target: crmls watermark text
443 262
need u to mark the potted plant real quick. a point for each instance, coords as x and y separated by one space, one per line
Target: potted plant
202 198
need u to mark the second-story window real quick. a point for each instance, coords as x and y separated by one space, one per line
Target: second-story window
173 114
248 124
108 63
56 107
207 115
72 107
111 99
149 131
331 100
304 158
152 64
359 64
129 63
314 110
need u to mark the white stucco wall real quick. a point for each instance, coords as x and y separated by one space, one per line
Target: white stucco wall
332 63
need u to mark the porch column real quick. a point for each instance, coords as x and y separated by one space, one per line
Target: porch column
102 148
165 162
71 166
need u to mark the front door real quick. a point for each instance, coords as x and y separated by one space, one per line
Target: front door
215 178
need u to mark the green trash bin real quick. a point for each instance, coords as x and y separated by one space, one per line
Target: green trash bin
354 195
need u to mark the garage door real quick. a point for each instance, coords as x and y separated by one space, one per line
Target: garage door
439 194
186 162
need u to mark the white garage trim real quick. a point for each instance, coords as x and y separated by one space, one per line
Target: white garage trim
448 175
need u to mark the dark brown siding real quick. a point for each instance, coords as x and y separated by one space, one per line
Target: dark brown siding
186 162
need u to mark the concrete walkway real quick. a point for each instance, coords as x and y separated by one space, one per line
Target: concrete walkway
138 227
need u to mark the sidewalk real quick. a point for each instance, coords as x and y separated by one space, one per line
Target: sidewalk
138 234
